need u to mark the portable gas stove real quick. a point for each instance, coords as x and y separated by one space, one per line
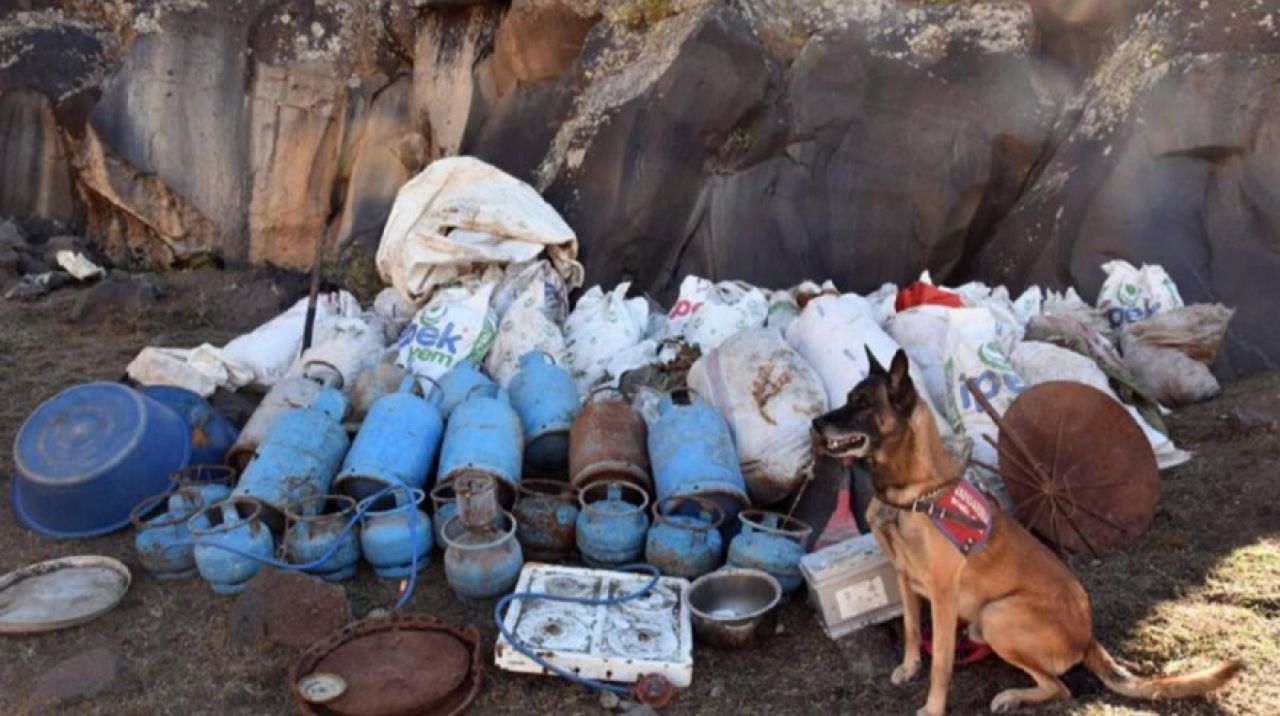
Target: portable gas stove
619 642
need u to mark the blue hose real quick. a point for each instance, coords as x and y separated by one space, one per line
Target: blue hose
361 508
520 647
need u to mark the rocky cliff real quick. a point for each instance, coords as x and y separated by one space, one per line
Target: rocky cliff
768 140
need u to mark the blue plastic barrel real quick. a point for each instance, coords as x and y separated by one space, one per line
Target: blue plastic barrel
85 457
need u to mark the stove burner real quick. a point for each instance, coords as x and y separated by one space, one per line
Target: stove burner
564 586
642 641
554 632
659 599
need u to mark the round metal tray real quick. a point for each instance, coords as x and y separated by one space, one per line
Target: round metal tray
401 665
60 593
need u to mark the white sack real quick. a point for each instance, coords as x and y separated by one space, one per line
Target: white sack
1036 362
526 325
833 333
455 325
201 370
270 349
922 333
460 214
974 351
884 303
1130 295
601 328
350 345
394 311
706 313
769 396
527 284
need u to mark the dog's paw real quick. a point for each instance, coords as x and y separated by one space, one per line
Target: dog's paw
1006 702
905 672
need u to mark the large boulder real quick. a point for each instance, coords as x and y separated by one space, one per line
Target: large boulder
690 149
1170 154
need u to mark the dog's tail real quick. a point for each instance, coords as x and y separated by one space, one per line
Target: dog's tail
1119 680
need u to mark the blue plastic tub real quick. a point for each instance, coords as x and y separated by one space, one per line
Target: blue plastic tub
211 433
85 457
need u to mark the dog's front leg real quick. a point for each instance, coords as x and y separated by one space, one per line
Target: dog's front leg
910 632
942 606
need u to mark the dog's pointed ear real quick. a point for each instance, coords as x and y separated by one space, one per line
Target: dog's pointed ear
902 392
875 367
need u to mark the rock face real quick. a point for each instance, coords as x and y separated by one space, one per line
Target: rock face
767 140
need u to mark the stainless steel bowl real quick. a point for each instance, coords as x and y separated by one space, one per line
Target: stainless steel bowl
734 608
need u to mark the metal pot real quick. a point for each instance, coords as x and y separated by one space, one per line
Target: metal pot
734 608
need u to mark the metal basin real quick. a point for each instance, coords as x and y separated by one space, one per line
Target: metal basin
734 608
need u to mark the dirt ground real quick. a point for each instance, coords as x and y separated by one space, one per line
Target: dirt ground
1202 584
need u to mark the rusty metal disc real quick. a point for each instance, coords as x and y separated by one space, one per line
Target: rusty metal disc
401 665
1079 468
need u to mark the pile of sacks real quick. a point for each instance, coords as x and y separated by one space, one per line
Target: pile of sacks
481 269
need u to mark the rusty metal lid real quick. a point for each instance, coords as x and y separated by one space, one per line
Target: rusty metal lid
1080 471
402 665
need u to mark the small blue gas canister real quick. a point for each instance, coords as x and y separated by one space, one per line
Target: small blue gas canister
773 543
693 454
212 434
396 445
230 543
298 458
546 398
318 525
685 538
463 381
612 523
483 435
482 563
210 484
393 531
163 542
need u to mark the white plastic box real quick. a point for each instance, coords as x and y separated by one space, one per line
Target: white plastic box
852 585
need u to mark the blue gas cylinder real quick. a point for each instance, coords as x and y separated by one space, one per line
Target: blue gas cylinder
318 526
482 563
396 445
692 453
483 435
546 398
612 524
463 381
298 458
685 540
230 543
773 543
396 532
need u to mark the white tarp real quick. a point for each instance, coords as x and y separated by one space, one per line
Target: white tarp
460 215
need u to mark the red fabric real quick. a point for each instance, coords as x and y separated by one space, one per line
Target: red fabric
924 294
967 501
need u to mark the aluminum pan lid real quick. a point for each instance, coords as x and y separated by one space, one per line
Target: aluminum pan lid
60 593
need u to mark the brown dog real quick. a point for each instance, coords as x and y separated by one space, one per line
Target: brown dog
1016 595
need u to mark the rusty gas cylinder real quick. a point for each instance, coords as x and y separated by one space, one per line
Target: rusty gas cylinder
609 441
